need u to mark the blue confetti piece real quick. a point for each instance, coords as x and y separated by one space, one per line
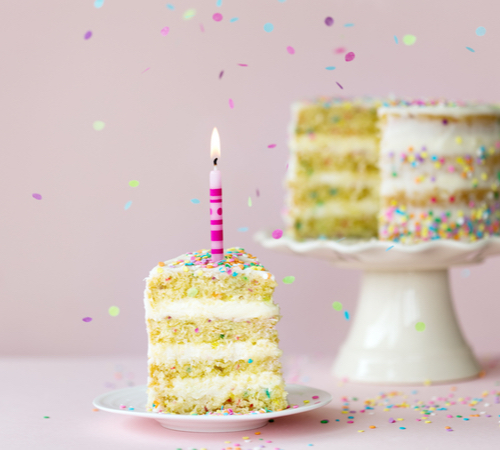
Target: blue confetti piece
219 3
282 1
471 49
346 315
195 201
388 248
396 39
234 19
242 229
268 27
347 25
128 205
171 7
98 3
480 31
330 68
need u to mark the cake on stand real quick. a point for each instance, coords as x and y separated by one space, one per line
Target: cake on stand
401 286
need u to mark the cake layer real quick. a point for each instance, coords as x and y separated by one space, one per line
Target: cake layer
339 146
210 308
337 209
211 331
310 163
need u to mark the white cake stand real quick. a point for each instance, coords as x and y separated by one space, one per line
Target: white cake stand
401 286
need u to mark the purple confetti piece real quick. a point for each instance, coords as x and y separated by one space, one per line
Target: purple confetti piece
349 56
243 65
339 85
87 35
328 21
37 196
257 192
221 74
87 319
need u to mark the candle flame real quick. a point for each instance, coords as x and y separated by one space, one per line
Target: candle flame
215 144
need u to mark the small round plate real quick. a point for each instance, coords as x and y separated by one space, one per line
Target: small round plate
121 400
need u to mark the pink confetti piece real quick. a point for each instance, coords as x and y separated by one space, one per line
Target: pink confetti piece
339 85
217 17
243 65
257 192
231 103
315 397
145 70
87 319
290 50
164 31
87 35
328 21
350 56
36 196
271 146
277 235
339 50
202 28
221 74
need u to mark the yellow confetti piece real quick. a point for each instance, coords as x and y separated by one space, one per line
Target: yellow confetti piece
98 125
189 14
458 139
113 311
428 421
361 431
159 270
427 382
306 401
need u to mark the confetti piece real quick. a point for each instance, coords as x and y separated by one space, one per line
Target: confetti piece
396 39
242 65
164 31
249 201
133 183
128 205
217 17
480 31
36 196
242 229
290 50
271 146
169 6
189 14
328 21
346 315
339 85
350 56
46 417
87 319
98 125
257 192
409 39
145 70
325 421
347 25
220 74
420 326
282 1
277 234
87 35
340 50
202 28
268 27
113 311
288 280
388 248
330 68
98 3
192 292
231 103
234 19
337 306
471 49
219 3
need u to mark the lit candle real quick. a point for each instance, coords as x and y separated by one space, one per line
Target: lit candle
216 224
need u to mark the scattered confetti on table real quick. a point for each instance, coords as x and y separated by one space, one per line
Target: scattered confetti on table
277 233
87 35
290 50
409 39
420 326
164 31
113 311
87 319
388 248
189 14
337 306
98 125
329 21
231 103
133 183
195 201
288 280
470 49
349 56
268 27
480 31
128 204
217 17
98 3
36 196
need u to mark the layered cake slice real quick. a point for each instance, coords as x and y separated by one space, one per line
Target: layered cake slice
440 168
332 178
212 338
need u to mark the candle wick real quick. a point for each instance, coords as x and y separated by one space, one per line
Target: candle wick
215 161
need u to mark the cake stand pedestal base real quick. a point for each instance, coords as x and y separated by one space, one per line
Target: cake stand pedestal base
384 346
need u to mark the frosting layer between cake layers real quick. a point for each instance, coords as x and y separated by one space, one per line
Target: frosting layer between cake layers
212 337
332 177
440 169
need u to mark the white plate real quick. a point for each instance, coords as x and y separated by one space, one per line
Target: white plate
135 397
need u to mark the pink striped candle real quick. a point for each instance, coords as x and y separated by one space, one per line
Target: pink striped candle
216 223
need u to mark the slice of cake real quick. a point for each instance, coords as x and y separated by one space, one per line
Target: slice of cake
333 178
212 339
440 169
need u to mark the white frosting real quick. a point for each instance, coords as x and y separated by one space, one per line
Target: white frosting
441 110
191 308
228 351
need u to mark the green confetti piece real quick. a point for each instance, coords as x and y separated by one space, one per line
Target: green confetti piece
420 326
249 201
192 292
337 306
288 280
409 39
189 14
113 311
46 417
133 183
98 125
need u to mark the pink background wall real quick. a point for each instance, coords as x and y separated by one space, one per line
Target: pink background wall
77 251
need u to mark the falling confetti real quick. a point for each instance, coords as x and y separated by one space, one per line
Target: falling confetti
242 65
249 201
36 196
268 27
257 192
231 103
219 3
217 17
480 31
470 49
189 14
87 35
164 31
113 311
420 326
340 50
330 68
171 7
346 315
347 25
133 183
271 146
290 50
202 28
87 319
195 201
349 56
243 229
98 3
288 280
328 21
337 306
145 70
396 39
234 19
128 204
277 234
388 248
98 125
221 74
409 39
339 85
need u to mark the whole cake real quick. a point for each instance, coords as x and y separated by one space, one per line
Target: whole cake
332 177
440 170
212 340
